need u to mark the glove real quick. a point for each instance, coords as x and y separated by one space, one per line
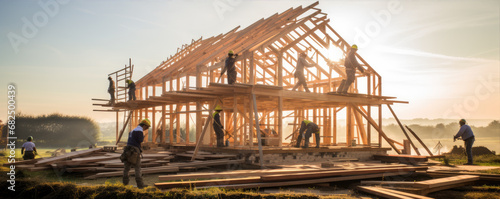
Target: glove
21 152
236 55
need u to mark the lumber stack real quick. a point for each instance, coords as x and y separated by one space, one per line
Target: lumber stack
404 159
422 187
279 178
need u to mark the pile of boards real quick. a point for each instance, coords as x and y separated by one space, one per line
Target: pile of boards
247 179
94 163
405 189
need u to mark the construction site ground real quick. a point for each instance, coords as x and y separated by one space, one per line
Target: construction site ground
342 189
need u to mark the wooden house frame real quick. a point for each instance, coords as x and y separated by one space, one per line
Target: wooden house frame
187 87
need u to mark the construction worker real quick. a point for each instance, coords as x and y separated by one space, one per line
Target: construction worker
351 63
311 128
218 128
131 90
111 90
299 72
468 137
131 156
229 66
28 149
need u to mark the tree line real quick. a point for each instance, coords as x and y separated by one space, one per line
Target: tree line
56 130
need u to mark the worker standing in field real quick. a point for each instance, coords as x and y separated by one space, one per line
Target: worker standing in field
299 72
351 64
111 90
28 149
229 66
131 90
131 156
309 128
468 137
218 128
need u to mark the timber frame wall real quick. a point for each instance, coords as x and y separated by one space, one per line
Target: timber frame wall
186 86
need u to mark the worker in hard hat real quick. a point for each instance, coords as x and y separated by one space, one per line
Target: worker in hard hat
218 128
131 156
131 89
308 128
468 137
111 90
299 72
229 66
28 150
351 64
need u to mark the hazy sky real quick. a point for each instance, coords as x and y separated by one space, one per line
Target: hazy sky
442 56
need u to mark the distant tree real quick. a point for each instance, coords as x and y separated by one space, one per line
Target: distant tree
57 130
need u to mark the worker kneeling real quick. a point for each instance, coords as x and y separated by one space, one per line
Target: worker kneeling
131 156
311 128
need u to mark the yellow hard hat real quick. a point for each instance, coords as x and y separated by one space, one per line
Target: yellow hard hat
355 46
146 122
230 52
218 108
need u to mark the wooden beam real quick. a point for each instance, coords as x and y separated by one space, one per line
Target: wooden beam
404 131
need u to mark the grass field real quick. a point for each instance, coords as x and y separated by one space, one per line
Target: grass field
482 160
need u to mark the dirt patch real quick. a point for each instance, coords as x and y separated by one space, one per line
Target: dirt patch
476 151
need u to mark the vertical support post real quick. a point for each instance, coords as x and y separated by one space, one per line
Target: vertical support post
280 121
369 112
163 123
250 136
334 136
380 125
198 103
117 130
350 130
171 129
187 122
153 124
235 119
252 69
256 113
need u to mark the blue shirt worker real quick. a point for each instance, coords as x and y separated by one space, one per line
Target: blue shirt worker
131 156
229 66
467 136
351 64
218 128
28 149
311 128
131 90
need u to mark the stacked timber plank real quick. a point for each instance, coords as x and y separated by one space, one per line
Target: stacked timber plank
279 178
94 163
405 159
421 188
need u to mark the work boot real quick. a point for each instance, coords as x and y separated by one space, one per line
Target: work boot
341 87
317 146
306 144
125 181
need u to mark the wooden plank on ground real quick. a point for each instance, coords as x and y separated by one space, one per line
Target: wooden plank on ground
214 182
394 183
448 181
388 193
207 163
322 174
304 182
160 169
242 173
47 161
408 159
482 176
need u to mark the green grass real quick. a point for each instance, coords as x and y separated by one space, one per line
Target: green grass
36 189
482 160
491 171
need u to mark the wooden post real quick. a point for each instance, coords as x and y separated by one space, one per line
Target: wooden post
187 122
256 113
163 124
250 139
349 129
198 104
334 136
252 69
380 125
235 119
404 131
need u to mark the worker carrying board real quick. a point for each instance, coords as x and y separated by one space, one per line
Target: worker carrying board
351 64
